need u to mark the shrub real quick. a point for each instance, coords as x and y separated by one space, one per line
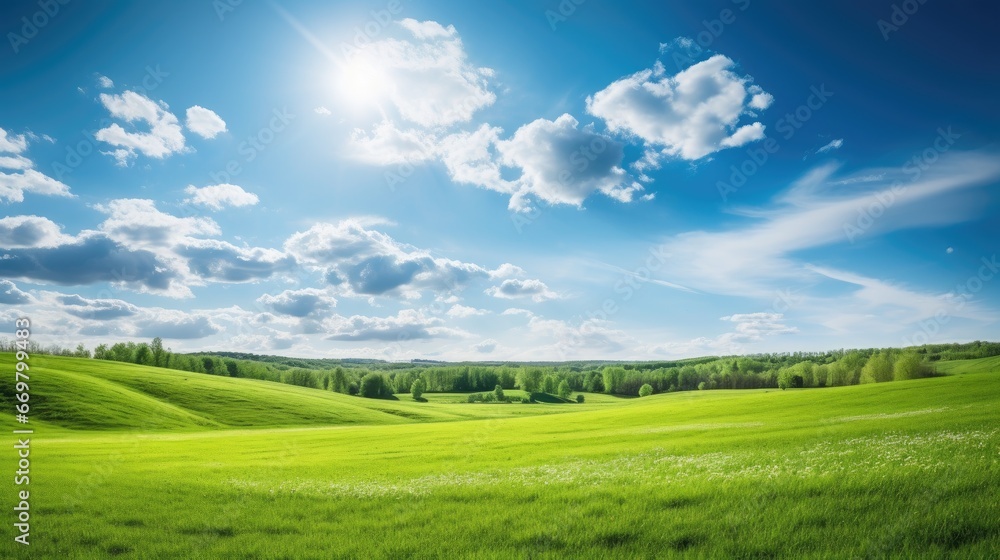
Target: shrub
498 394
475 397
579 398
645 390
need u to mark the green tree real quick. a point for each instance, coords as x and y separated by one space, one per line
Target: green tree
564 390
645 390
878 369
498 394
339 383
579 398
909 366
156 347
374 385
530 379
417 388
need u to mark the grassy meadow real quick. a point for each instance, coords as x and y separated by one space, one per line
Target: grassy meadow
136 462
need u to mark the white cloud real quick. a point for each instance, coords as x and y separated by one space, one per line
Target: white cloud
13 143
407 325
217 197
462 311
513 311
136 222
104 82
689 115
749 328
204 122
471 158
321 110
515 289
590 339
30 231
299 303
832 145
17 162
486 346
363 261
427 29
170 323
14 185
427 80
388 145
163 138
564 164
10 295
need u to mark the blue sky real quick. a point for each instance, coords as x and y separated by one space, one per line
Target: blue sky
526 180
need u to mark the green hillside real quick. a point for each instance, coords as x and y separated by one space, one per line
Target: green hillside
81 394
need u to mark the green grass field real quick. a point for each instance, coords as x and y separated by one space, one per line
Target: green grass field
135 462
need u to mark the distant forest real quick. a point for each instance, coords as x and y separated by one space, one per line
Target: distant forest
777 370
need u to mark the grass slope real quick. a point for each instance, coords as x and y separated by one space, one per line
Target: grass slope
904 469
82 394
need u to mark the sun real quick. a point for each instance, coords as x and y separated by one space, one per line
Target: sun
362 81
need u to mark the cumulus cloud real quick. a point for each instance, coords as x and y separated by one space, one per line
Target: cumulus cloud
514 289
30 231
689 115
563 164
486 346
104 82
217 197
408 324
221 261
90 259
463 311
299 303
137 222
363 261
204 122
166 323
97 309
388 145
10 295
472 158
163 138
12 143
14 185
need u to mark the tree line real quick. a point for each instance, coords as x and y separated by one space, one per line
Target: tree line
380 379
